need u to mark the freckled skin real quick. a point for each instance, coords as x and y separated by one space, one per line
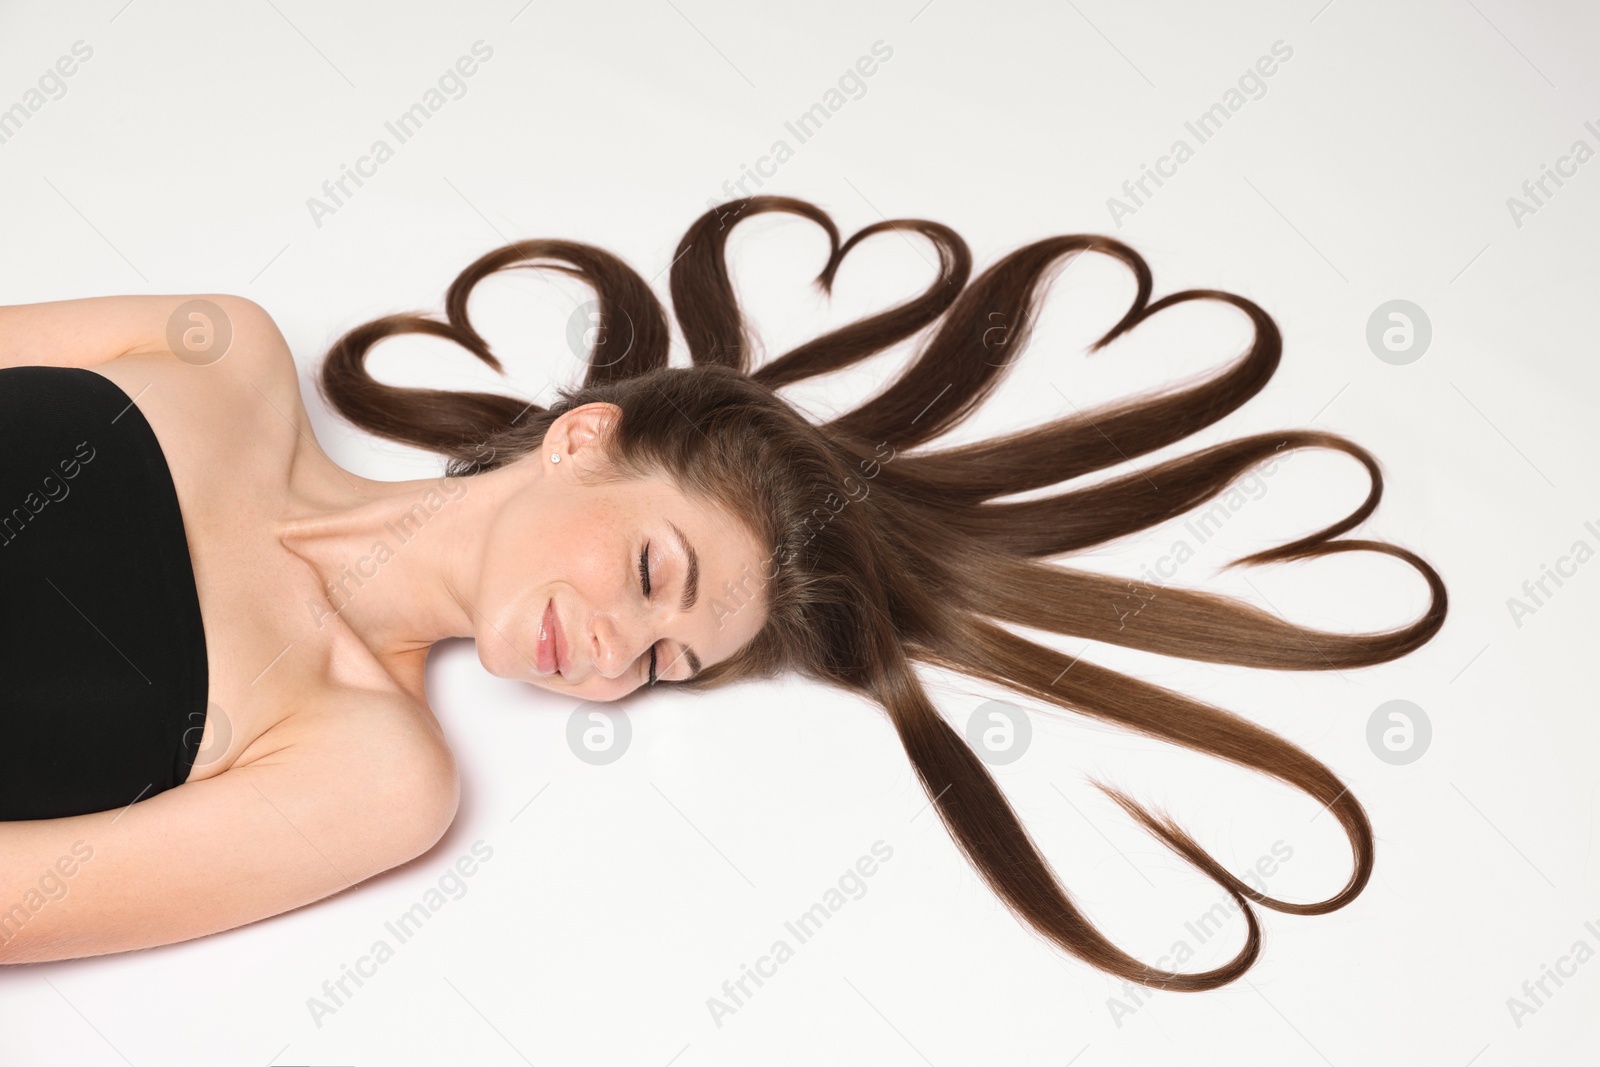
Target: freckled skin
580 544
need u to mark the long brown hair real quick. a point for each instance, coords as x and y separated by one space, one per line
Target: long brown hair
887 553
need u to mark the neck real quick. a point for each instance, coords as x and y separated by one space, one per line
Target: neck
399 561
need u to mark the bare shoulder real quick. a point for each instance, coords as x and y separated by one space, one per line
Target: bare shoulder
369 769
378 752
203 368
335 800
225 339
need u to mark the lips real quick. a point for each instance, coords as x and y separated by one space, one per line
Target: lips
552 650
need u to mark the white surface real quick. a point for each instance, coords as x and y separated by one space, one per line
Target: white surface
1377 165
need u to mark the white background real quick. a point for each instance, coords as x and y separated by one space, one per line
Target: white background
1376 166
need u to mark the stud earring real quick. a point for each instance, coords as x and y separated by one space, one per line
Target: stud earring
555 457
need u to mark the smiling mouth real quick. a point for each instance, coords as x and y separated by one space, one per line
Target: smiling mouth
551 651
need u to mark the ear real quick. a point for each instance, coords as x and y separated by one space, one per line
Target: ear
583 428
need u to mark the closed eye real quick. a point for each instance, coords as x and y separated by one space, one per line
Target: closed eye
644 585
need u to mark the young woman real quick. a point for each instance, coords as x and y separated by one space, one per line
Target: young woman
656 525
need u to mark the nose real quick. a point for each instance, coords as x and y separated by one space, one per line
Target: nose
617 642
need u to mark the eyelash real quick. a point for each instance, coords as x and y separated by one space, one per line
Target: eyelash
644 585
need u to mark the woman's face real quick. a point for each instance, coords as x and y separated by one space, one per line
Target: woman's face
560 545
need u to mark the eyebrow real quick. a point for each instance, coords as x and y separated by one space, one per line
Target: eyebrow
691 591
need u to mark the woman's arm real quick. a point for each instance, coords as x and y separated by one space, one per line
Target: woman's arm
293 826
93 330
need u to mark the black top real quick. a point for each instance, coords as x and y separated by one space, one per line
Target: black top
103 671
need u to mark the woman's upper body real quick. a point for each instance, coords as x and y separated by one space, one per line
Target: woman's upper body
331 768
321 763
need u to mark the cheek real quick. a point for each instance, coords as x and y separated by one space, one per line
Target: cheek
537 557
573 537
591 567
